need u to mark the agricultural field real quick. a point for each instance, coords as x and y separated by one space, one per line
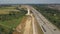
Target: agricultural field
52 15
5 10
10 18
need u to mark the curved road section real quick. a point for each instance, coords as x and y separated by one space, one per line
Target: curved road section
46 26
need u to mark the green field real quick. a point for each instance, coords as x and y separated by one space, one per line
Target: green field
10 18
6 10
51 14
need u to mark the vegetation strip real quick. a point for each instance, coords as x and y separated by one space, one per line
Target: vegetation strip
51 14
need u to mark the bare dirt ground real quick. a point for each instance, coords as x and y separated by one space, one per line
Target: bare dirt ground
25 27
28 26
20 27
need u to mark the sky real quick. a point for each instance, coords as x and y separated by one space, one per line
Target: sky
29 1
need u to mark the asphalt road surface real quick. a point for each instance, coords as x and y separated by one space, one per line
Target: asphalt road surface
46 26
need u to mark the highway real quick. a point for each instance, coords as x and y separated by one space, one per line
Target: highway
35 26
46 26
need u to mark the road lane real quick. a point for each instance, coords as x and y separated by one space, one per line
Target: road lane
50 26
46 26
40 22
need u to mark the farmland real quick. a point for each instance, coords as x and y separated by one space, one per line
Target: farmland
10 17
